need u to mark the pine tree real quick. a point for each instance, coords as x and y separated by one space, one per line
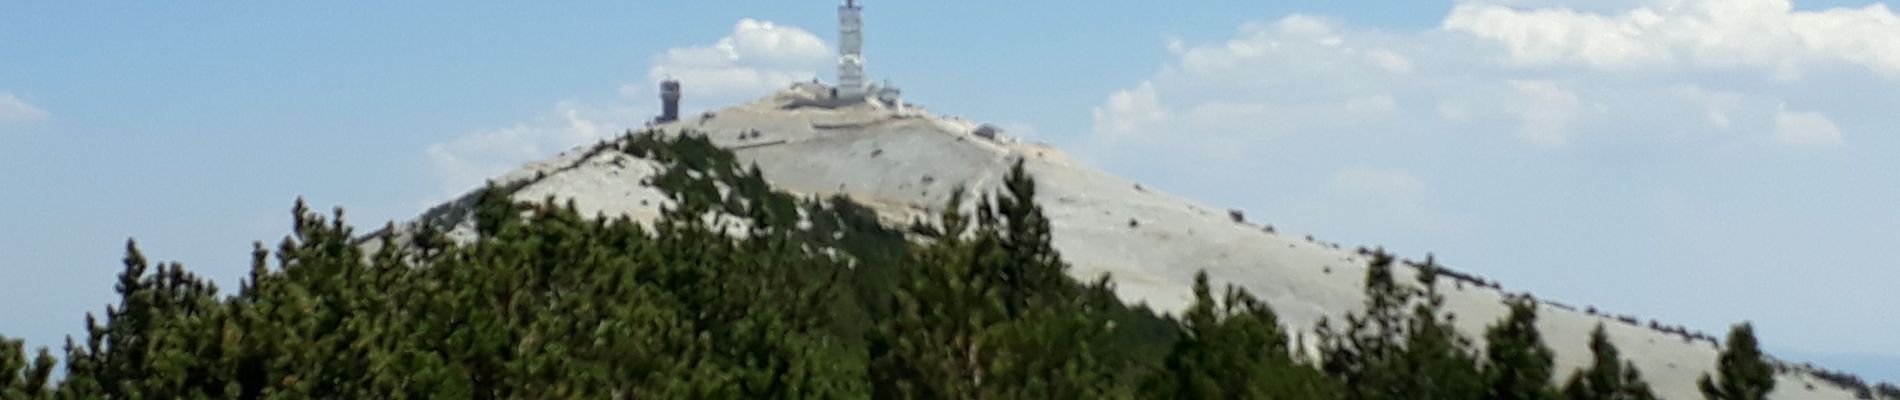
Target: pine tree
157 341
545 305
1439 360
1032 271
493 209
1743 373
1609 376
1055 353
988 312
1234 348
1518 364
1055 344
1390 353
21 378
932 347
1362 355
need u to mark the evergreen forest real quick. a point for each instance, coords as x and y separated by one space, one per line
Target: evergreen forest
741 291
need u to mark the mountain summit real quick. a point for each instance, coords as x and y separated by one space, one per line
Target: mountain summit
905 163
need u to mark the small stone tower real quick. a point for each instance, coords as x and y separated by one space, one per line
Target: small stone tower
669 101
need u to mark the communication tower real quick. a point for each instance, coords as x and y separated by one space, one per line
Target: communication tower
669 101
851 83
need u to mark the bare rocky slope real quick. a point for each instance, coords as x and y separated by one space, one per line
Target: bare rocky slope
904 164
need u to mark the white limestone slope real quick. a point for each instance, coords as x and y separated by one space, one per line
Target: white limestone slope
905 163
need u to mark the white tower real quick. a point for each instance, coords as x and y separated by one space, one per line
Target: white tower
851 84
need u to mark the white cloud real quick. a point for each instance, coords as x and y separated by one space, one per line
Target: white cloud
757 58
1392 62
1297 74
1761 34
1495 97
1130 111
1805 129
1550 36
1717 107
1532 130
1549 74
13 109
1308 26
465 162
1544 110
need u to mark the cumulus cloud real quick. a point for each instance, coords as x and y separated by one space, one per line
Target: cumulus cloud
1536 129
1390 61
1716 106
1499 88
1761 34
757 58
1297 74
1805 128
1129 111
1545 110
1550 74
13 109
465 162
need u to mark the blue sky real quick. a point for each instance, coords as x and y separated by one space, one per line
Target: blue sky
1694 161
